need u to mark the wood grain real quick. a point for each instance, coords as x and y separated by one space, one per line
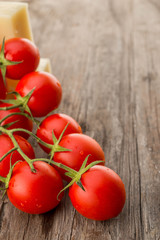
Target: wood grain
106 54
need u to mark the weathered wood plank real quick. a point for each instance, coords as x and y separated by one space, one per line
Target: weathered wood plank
106 55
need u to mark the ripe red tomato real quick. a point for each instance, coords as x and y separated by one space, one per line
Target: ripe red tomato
6 145
56 123
35 193
2 88
21 49
46 96
22 121
81 146
104 195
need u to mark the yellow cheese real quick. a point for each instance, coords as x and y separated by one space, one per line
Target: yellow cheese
44 66
14 20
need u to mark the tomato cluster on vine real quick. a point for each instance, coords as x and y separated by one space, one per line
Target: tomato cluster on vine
36 185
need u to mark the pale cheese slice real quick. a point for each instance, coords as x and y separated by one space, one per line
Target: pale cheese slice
44 65
14 20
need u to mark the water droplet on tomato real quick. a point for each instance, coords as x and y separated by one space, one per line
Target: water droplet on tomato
22 205
38 205
81 153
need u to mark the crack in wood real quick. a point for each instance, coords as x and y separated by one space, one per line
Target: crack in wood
2 214
26 227
140 193
71 231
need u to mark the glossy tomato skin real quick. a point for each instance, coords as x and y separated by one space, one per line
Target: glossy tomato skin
56 123
21 49
7 144
35 193
104 196
81 146
47 94
3 90
22 121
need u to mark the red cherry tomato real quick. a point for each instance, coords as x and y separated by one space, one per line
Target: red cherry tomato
21 49
35 193
81 146
104 195
2 88
56 123
46 96
6 145
22 121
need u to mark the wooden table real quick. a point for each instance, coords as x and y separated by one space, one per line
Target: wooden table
106 55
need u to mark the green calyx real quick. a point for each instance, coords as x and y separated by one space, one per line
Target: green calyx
4 62
21 103
73 174
76 175
56 147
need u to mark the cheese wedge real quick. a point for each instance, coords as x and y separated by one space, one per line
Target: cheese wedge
14 20
44 66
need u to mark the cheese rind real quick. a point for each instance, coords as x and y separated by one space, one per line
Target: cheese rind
14 20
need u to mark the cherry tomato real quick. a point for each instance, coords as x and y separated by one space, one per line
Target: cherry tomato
6 145
22 121
2 88
21 49
46 96
104 195
81 146
56 123
35 193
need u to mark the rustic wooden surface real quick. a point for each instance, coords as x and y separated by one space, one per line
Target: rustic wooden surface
106 54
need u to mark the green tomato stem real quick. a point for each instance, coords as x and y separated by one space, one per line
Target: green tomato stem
2 179
20 102
7 179
10 107
16 145
6 154
53 147
60 165
15 113
33 135
5 62
74 175
77 176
